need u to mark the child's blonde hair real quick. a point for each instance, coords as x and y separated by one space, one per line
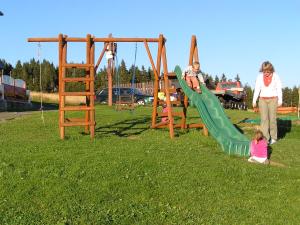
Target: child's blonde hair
267 66
258 135
196 63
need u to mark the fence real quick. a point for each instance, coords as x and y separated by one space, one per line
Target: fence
146 87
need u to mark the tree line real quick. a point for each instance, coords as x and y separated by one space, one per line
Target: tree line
30 73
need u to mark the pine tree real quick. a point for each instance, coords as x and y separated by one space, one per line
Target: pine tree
223 78
17 72
143 73
237 78
150 74
6 68
286 96
295 96
249 95
123 73
217 80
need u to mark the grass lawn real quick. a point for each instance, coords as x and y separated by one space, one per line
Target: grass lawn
130 174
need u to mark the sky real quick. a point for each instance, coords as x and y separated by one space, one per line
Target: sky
234 36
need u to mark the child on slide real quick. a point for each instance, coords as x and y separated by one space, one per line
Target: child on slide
190 74
259 149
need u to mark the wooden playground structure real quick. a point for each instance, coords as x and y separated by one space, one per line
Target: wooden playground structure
283 110
90 69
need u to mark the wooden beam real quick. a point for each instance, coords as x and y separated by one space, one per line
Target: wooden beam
100 57
87 84
92 88
107 39
169 106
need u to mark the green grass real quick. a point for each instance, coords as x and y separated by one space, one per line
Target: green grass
130 174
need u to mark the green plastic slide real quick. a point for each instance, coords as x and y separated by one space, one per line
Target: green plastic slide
213 116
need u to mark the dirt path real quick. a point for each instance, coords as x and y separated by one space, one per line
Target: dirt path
5 116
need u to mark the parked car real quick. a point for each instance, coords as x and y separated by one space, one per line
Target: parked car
125 95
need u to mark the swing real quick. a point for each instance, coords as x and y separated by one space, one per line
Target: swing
39 50
125 101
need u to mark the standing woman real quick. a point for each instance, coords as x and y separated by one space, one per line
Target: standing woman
268 88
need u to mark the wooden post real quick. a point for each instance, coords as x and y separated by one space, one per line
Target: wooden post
87 84
156 80
195 57
166 80
101 56
92 88
109 74
62 54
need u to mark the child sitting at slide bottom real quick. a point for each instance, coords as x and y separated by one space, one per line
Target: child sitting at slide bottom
259 149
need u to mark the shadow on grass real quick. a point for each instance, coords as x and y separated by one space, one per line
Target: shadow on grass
238 128
283 127
125 128
34 106
270 150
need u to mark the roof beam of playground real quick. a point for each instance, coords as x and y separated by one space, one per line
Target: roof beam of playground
95 39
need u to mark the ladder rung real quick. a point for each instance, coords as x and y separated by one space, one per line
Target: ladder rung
77 93
173 114
161 124
74 119
71 124
195 125
171 90
78 79
171 76
161 102
77 108
77 65
175 102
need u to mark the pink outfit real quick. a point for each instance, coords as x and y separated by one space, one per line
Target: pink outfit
165 118
259 149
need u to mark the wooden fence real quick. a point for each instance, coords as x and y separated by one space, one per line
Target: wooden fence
146 88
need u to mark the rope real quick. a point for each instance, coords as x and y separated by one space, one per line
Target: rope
134 70
117 71
41 87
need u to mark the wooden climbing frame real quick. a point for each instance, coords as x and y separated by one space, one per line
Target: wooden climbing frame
90 67
171 113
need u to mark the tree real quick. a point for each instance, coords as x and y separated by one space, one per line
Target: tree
123 73
237 78
49 76
216 80
249 95
17 72
210 84
295 96
223 78
143 74
101 79
6 68
286 96
150 74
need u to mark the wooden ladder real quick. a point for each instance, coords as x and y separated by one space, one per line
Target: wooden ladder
88 122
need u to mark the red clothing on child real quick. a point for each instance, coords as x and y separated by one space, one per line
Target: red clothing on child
259 148
165 118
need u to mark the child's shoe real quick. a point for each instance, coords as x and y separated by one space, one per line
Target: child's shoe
251 160
198 90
